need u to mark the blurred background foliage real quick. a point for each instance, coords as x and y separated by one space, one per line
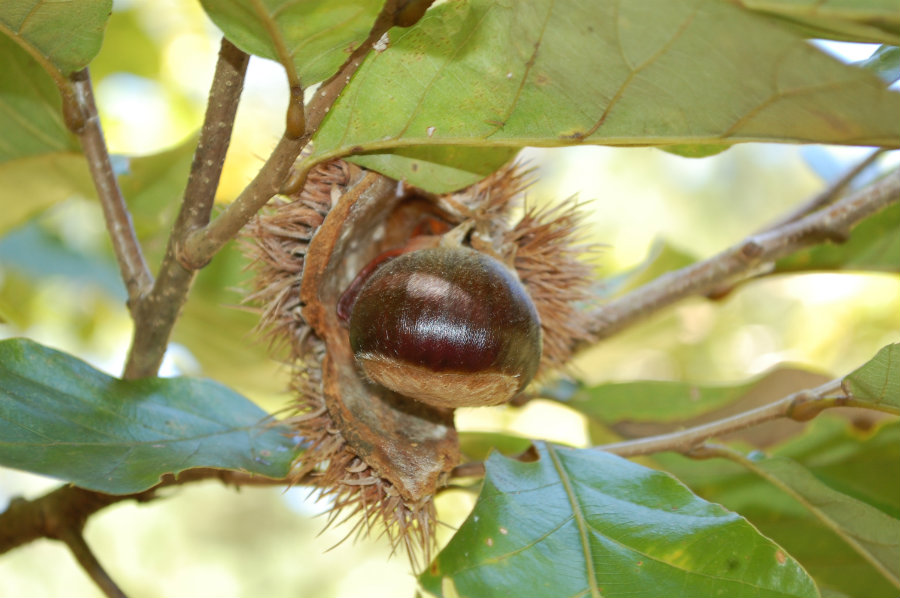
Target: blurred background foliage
651 211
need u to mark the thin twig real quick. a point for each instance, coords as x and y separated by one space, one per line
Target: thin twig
135 272
799 406
88 561
274 33
156 313
833 223
328 92
394 12
828 195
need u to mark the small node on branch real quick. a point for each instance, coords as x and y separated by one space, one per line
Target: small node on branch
295 125
807 405
838 236
751 250
187 260
73 115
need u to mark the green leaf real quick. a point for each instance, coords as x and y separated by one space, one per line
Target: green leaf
695 151
30 108
876 21
446 168
857 464
873 534
584 522
652 400
62 36
878 381
648 72
40 160
852 458
62 418
316 36
874 245
884 62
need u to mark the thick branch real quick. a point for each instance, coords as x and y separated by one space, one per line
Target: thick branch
69 507
156 313
833 223
135 272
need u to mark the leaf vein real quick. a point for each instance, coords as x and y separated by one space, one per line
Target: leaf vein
450 60
635 70
579 520
529 65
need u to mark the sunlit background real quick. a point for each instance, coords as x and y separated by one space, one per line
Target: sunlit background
152 79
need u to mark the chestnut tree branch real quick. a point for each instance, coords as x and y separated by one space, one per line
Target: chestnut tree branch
86 125
69 507
156 312
745 259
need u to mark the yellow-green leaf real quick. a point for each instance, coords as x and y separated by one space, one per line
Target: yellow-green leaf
62 36
876 21
313 37
878 381
645 72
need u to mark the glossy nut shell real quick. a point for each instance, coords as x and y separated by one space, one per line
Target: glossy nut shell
451 327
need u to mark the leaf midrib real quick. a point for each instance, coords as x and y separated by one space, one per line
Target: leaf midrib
583 528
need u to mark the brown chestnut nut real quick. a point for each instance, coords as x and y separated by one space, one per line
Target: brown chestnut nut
451 327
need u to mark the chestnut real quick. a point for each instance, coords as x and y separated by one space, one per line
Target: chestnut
448 326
